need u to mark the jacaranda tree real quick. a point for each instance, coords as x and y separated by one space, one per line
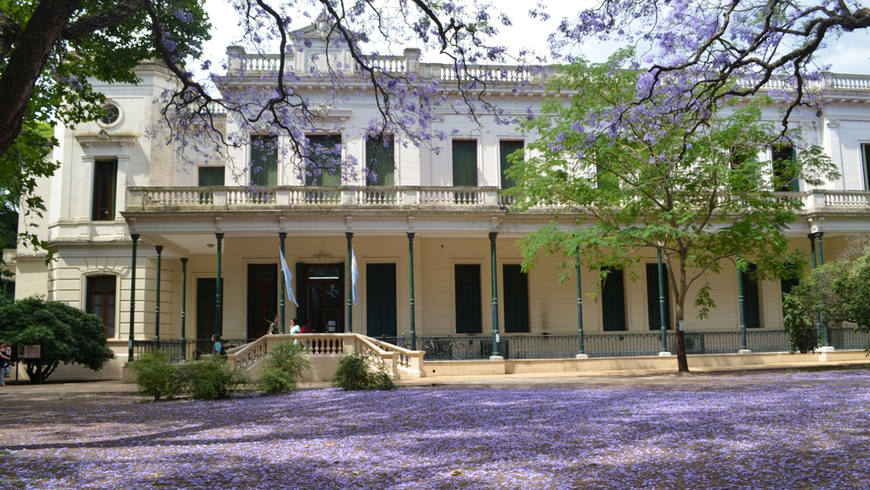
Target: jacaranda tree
627 176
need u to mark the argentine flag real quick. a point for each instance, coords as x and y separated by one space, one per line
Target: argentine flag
287 278
354 273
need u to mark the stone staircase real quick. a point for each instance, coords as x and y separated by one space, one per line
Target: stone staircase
325 349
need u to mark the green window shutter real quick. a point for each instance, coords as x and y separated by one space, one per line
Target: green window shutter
105 180
465 163
264 160
506 147
324 160
783 157
516 299
467 295
613 301
865 149
751 313
381 300
652 296
209 176
380 161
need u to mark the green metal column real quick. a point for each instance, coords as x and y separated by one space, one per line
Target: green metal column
135 238
282 236
662 323
494 273
824 321
349 282
159 249
411 267
183 304
812 237
743 344
579 308
218 294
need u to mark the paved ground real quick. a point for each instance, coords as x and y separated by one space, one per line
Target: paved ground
698 376
758 429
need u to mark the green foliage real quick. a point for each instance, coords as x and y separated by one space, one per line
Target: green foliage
100 41
838 292
211 379
357 372
635 178
286 364
798 321
65 334
157 376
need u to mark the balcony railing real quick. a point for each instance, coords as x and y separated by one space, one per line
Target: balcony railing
159 199
237 198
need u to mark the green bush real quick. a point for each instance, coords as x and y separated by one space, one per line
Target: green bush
211 379
156 376
798 321
286 364
355 372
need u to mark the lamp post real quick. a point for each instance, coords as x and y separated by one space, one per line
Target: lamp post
349 281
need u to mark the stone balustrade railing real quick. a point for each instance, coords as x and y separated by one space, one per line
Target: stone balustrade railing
236 198
162 199
399 362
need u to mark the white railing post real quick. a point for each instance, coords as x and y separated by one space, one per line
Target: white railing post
220 197
134 198
348 197
490 197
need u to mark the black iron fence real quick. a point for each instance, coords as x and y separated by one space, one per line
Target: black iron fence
618 344
524 346
180 350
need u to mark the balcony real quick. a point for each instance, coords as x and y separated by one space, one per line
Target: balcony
162 199
167 199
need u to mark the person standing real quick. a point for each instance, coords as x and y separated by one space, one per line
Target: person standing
274 326
295 329
5 361
218 347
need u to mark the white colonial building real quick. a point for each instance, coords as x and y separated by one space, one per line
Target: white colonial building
434 241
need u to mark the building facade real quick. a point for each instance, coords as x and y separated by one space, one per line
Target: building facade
434 240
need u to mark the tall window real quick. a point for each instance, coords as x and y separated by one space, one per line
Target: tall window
516 299
652 296
469 318
785 178
264 160
865 154
751 313
380 161
324 160
613 301
505 148
465 163
105 178
101 301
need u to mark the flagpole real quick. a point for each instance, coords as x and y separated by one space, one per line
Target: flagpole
349 236
282 235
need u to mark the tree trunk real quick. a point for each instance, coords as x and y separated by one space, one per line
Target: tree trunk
682 362
26 62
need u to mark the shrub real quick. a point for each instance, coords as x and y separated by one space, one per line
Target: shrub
64 334
156 376
798 321
356 372
211 379
286 364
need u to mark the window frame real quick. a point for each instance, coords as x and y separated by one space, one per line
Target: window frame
317 180
90 285
104 194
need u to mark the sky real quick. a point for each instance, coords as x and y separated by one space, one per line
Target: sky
850 54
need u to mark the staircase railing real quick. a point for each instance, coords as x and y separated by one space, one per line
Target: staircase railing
398 361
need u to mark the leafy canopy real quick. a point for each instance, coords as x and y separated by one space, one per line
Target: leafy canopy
627 176
64 334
